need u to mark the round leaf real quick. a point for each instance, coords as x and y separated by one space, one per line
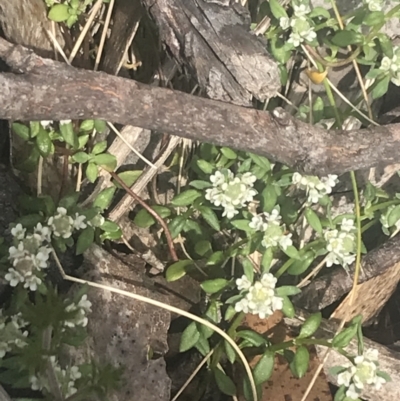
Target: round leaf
80 157
213 286
177 270
59 13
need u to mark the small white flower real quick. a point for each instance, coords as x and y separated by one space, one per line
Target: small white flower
79 222
18 232
295 39
285 241
61 224
374 5
65 122
352 392
284 22
258 223
97 221
345 377
13 277
43 232
42 257
32 282
347 225
16 252
243 283
242 306
75 373
85 304
301 10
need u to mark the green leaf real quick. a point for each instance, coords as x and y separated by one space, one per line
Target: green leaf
287 290
386 45
381 87
100 125
340 394
205 166
144 219
374 18
110 227
242 225
44 143
215 258
128 177
199 184
267 260
210 217
87 125
30 220
269 198
277 10
248 269
104 198
255 339
292 252
224 383
202 345
261 161
185 198
394 216
29 164
21 130
69 201
288 308
92 172
59 13
107 161
300 266
310 326
280 51
189 337
177 270
264 367
343 339
345 38
318 109
176 225
230 352
300 362
80 157
229 153
313 220
83 140
69 135
35 128
213 286
319 12
203 247
100 147
85 239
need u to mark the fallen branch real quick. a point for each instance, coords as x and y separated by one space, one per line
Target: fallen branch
45 89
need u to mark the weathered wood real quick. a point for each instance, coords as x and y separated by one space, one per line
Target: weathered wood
45 89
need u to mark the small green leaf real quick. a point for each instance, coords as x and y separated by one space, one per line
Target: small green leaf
319 12
144 219
186 198
374 18
242 224
229 153
189 338
300 362
210 217
59 13
100 125
87 125
310 326
313 220
177 270
100 147
277 10
269 198
202 345
205 166
92 172
35 128
215 258
69 201
255 339
287 290
267 260
110 227
203 247
176 225
21 130
44 143
343 339
386 45
69 135
345 38
248 269
230 352
381 87
292 252
128 177
199 184
288 308
224 383
106 161
104 198
213 286
394 216
300 266
261 161
80 157
85 239
264 367
83 140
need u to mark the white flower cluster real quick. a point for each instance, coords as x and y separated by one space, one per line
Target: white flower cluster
274 230
260 298
392 65
315 187
341 244
374 5
230 191
82 308
364 371
11 333
302 30
65 377
31 251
